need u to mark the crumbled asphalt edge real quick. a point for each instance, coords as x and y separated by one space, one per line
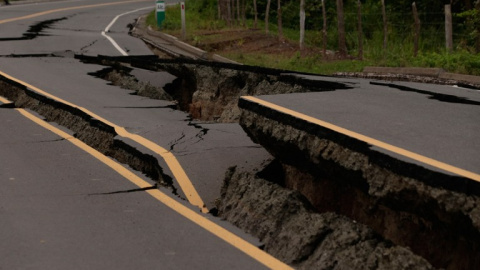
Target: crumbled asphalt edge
222 84
292 231
437 216
209 91
120 76
408 78
96 134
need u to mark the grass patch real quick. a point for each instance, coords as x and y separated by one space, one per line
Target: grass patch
201 19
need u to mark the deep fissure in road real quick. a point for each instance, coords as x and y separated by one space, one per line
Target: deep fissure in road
442 231
304 212
434 214
208 91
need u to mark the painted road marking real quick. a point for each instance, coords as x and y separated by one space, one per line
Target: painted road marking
234 240
369 140
179 174
4 100
38 14
107 29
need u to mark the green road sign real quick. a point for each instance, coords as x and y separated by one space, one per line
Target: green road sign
160 12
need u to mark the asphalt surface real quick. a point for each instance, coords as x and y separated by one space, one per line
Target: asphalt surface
50 219
57 213
436 121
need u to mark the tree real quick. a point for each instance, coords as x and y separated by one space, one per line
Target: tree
255 22
360 31
302 24
238 12
279 20
324 30
384 15
342 46
267 11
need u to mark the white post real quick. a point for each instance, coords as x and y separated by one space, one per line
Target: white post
184 31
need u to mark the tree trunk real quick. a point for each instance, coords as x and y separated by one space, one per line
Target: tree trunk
266 16
232 3
302 24
255 22
417 29
324 30
360 30
448 28
229 13
219 10
279 17
477 7
342 46
385 27
244 19
238 12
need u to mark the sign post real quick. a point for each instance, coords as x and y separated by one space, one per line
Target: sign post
184 34
160 12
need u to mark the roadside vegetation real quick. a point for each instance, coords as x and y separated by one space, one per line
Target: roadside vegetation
233 34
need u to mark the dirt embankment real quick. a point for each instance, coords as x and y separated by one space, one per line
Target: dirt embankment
293 231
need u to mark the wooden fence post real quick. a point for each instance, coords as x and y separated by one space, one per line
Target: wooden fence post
385 27
302 24
417 29
448 28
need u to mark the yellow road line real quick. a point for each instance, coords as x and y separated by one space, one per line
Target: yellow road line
369 140
38 14
234 240
172 162
4 100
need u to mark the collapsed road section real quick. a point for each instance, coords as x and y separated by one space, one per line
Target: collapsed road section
433 212
327 201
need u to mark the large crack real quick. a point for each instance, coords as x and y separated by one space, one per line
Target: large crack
431 95
434 214
96 134
294 232
209 91
35 30
125 191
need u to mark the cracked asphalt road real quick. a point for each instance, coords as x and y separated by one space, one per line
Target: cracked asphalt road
62 209
49 220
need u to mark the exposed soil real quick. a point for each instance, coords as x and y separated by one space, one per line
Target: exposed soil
436 215
246 41
294 232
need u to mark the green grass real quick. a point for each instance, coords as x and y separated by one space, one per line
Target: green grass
399 52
